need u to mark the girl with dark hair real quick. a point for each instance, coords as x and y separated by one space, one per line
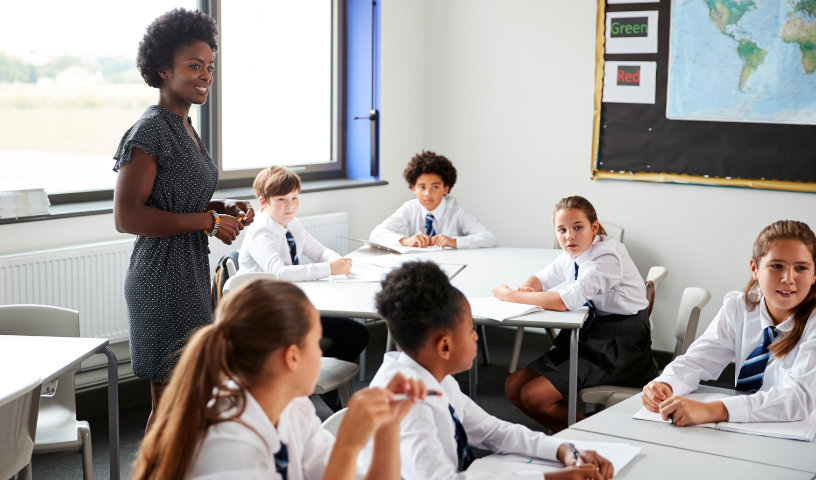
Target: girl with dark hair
768 330
237 405
614 346
164 195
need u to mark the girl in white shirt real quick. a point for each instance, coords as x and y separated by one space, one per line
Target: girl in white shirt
768 330
615 342
236 407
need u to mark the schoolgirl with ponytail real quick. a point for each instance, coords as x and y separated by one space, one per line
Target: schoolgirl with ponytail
614 346
768 331
237 405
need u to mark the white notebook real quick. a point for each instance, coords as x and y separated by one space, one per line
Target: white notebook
620 454
495 309
803 430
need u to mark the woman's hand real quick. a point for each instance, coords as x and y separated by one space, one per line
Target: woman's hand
582 472
690 412
588 457
228 229
414 388
654 393
501 291
239 209
340 266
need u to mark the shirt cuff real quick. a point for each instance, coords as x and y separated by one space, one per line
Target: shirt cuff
462 242
323 270
737 408
572 297
548 449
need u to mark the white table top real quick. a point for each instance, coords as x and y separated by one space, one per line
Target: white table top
617 421
666 463
46 357
485 268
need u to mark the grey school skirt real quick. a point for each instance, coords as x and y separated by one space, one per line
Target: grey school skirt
614 350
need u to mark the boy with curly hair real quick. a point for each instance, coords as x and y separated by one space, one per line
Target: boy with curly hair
434 217
432 323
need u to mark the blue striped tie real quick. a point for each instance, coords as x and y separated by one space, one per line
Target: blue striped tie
282 461
463 449
292 248
591 313
429 230
752 371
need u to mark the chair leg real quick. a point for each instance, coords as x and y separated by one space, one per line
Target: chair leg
24 474
388 342
84 432
344 391
516 349
483 338
363 365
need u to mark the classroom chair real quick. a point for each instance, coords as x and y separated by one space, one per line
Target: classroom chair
653 278
57 427
685 331
332 424
334 373
19 407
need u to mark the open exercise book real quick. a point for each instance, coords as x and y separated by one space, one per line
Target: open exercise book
803 430
495 309
396 247
620 454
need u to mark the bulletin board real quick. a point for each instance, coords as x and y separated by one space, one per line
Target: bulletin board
724 131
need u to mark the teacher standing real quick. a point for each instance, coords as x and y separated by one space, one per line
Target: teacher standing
164 195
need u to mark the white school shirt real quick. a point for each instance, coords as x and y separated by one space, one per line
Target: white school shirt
231 451
788 391
265 249
427 442
606 275
451 218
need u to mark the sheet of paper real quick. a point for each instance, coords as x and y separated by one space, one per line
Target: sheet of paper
644 414
620 454
404 249
493 308
501 464
361 273
803 430
386 261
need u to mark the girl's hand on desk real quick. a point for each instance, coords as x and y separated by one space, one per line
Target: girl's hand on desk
690 412
588 457
582 472
501 291
654 393
341 266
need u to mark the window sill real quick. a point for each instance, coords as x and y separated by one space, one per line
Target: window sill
82 209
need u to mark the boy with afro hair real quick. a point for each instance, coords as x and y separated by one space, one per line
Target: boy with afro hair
434 217
432 323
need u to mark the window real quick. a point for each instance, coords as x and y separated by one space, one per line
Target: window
69 89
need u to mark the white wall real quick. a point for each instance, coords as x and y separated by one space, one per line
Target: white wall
504 88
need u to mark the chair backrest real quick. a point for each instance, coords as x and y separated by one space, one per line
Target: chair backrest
650 296
19 409
38 320
612 231
226 268
688 316
657 274
234 282
332 424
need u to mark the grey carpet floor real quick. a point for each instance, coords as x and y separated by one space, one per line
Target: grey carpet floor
135 408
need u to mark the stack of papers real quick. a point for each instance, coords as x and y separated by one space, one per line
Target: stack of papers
803 430
24 203
620 454
495 309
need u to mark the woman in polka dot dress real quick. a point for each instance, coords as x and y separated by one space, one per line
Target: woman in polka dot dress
163 195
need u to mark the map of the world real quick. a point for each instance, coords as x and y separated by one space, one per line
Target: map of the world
743 61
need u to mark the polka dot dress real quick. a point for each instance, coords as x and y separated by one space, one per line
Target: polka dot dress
167 285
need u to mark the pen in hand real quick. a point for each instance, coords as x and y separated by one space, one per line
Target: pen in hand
576 454
671 419
401 396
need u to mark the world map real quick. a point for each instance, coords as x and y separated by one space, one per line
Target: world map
743 61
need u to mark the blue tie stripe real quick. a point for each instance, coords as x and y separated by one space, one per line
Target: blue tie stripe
752 372
292 248
429 229
282 461
464 451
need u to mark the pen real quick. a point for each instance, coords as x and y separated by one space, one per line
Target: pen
430 393
576 454
671 420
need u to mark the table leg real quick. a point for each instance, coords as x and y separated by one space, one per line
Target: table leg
573 377
113 412
472 379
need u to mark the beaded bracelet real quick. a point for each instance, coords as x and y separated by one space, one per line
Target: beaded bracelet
215 227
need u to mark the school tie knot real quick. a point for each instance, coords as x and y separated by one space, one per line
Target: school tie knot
464 451
292 247
752 371
282 461
429 229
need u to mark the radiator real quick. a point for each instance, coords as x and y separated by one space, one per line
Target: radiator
88 278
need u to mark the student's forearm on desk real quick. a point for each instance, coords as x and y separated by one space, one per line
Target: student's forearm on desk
545 300
532 282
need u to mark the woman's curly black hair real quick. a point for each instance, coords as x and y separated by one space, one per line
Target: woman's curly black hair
175 29
417 300
430 162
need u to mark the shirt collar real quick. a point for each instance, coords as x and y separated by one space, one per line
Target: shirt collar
273 224
584 257
422 373
767 321
438 211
